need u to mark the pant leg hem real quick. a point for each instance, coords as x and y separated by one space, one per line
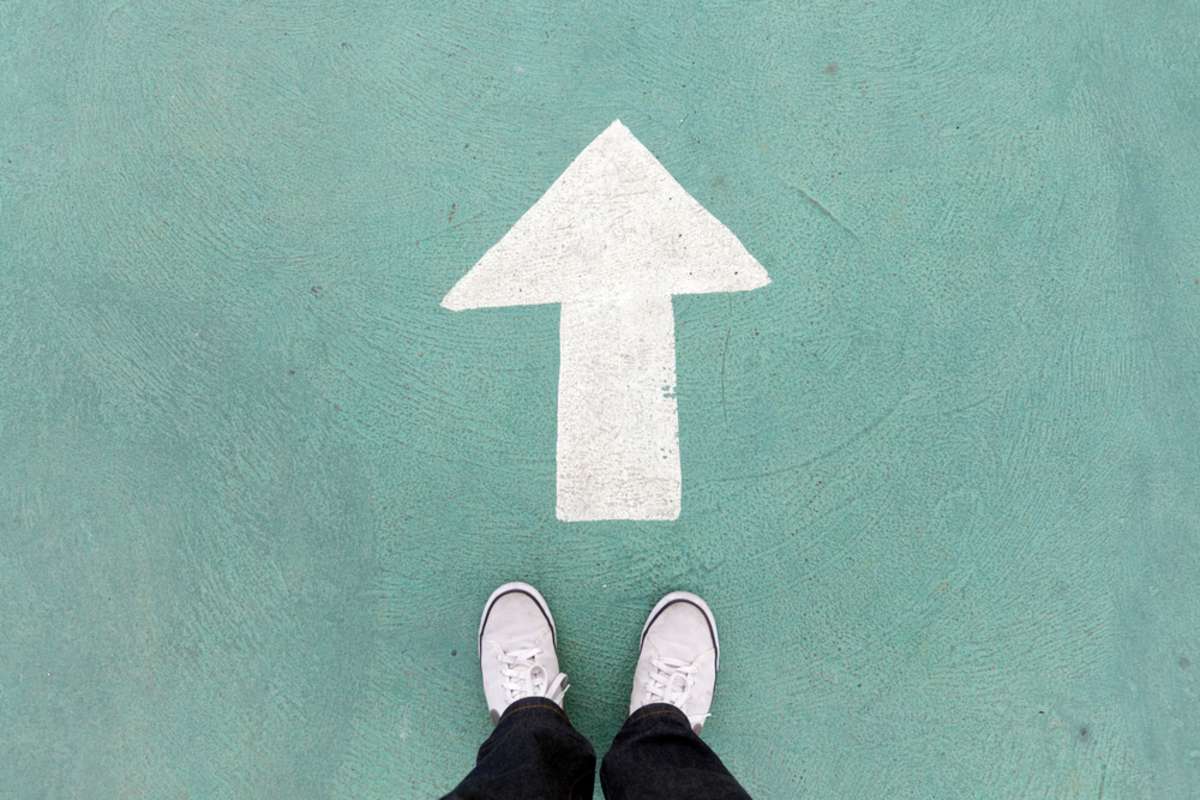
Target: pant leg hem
659 710
532 704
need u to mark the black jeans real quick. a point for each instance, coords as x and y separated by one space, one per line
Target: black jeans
535 754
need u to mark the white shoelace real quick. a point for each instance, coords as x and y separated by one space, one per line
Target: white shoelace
524 677
670 681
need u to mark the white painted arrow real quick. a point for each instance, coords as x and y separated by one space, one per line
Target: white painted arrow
611 240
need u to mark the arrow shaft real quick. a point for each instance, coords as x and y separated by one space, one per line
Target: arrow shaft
618 427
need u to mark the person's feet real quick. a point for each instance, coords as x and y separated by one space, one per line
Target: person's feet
679 658
516 649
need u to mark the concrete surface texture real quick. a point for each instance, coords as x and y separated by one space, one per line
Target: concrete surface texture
939 478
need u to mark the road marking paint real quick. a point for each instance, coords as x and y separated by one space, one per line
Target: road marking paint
611 240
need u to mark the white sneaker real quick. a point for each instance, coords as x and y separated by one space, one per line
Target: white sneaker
679 658
516 649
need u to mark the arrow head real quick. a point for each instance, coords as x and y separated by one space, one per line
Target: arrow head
614 225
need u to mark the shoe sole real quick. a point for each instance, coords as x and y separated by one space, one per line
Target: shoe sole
692 599
522 588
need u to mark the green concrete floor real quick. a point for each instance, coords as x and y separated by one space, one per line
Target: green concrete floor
940 477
